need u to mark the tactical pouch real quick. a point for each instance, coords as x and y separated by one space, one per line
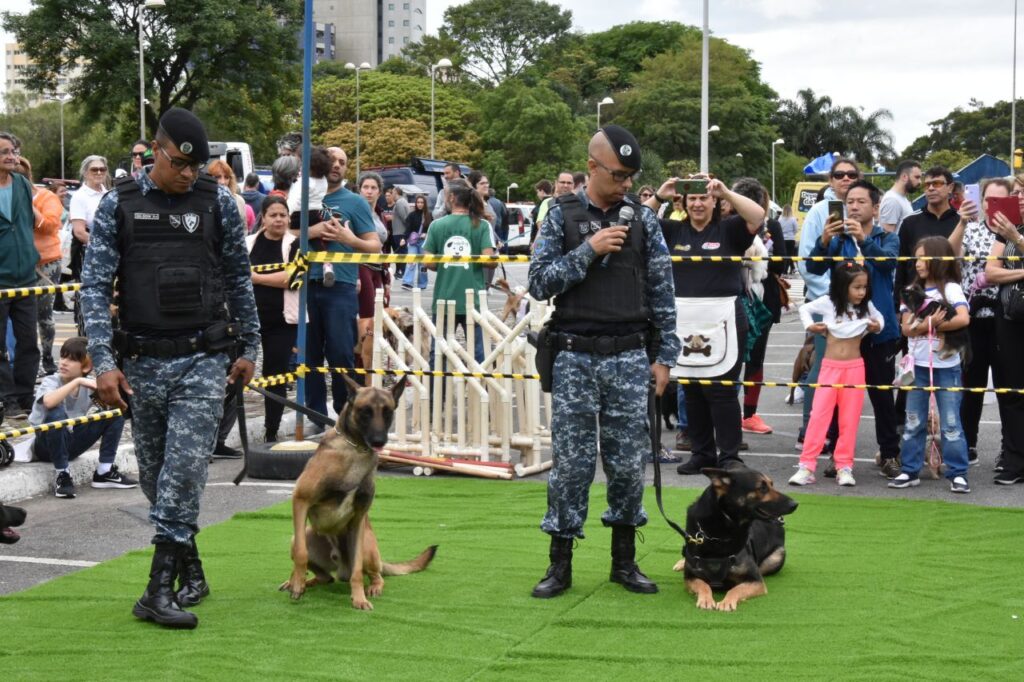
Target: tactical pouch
221 337
179 288
546 353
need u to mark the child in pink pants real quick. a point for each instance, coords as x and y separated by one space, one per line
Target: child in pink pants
847 314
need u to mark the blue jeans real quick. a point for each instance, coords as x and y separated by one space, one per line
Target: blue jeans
60 446
415 270
954 445
330 334
681 407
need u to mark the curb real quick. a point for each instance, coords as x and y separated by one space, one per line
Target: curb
22 480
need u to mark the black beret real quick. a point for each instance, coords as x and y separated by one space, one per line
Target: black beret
624 144
187 133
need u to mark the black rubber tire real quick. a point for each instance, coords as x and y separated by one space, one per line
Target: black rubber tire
275 465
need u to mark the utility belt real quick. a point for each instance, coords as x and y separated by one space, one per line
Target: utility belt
219 337
549 343
602 345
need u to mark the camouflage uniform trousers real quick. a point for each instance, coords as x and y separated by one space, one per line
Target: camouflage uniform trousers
176 407
597 397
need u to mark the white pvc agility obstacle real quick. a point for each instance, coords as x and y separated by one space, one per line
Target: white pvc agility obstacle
477 418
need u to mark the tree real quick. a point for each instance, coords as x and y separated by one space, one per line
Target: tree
500 38
864 137
384 95
812 126
391 141
533 129
976 130
195 50
663 108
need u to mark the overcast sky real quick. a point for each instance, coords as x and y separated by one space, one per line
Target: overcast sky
917 58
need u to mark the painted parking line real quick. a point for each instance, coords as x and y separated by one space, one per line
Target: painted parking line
49 562
795 415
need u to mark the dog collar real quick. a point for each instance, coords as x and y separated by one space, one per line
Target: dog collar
349 441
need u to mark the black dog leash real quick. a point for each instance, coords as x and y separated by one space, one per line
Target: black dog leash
317 417
653 412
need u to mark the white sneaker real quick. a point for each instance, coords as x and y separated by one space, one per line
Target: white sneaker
803 476
798 395
845 477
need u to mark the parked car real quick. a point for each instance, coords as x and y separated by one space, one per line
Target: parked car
426 174
520 227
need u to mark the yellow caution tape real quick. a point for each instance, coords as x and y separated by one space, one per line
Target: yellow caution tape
74 421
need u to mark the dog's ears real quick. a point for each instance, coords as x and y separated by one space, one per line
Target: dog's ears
396 390
353 387
720 479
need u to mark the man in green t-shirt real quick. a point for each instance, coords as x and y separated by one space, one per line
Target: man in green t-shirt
463 232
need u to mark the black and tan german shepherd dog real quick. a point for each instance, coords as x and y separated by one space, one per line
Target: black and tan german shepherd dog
331 503
735 537
9 518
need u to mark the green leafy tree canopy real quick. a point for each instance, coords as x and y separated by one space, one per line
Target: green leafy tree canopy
194 50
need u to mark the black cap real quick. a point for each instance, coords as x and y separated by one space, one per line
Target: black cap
187 133
625 146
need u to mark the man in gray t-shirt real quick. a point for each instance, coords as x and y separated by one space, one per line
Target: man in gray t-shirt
895 205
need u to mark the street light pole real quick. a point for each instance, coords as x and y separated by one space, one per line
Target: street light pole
61 98
606 100
777 142
514 185
143 6
704 70
1013 98
357 69
444 63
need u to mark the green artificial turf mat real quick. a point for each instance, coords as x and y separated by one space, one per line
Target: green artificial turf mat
873 589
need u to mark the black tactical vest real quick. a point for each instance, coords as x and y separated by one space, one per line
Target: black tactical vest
169 280
610 294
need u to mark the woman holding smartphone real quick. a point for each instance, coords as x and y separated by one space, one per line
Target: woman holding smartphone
1008 370
713 411
974 238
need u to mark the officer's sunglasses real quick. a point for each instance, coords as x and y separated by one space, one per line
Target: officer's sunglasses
181 164
617 176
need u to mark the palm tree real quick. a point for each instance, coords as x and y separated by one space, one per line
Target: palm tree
806 123
865 137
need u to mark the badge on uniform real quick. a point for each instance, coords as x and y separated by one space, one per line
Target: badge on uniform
190 221
146 216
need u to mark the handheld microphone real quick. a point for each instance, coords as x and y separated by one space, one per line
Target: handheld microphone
626 214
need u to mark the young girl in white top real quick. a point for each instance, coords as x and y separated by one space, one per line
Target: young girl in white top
319 166
847 315
941 281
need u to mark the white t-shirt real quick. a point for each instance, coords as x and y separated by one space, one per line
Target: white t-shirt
84 202
919 346
317 192
895 207
845 326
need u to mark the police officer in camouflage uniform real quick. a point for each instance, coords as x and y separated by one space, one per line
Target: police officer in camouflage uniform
612 279
174 243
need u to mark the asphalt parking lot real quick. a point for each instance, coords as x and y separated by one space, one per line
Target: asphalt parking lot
62 536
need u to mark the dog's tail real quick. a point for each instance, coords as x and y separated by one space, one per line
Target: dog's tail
406 567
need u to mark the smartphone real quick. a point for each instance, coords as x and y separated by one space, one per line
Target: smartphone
972 192
1008 206
692 186
835 211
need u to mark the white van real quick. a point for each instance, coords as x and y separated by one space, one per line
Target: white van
238 155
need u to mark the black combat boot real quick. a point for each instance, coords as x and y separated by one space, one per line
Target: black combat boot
192 585
159 603
558 579
624 568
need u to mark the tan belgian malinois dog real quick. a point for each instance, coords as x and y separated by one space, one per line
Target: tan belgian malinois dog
335 492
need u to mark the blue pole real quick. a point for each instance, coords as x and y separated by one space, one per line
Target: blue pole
307 109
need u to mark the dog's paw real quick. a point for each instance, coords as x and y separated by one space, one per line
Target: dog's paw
679 565
296 587
363 604
727 604
376 588
706 602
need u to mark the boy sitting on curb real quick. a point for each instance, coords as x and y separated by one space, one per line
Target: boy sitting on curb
68 394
